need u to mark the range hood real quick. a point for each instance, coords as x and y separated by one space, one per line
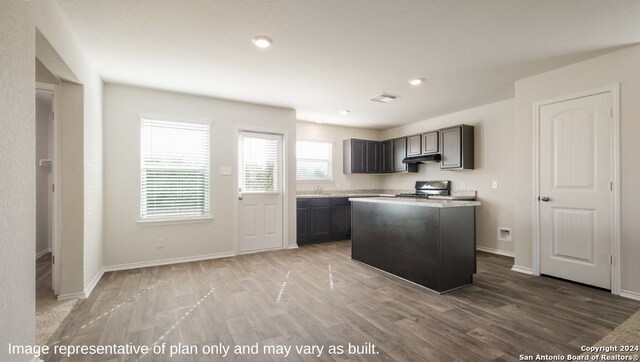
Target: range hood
423 159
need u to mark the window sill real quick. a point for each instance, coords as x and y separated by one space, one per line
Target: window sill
321 181
191 220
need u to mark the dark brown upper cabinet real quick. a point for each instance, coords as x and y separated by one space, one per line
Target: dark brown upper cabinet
386 149
457 148
364 156
399 154
354 156
430 143
373 161
414 145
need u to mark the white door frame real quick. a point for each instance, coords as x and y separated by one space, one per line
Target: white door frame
56 175
285 185
614 90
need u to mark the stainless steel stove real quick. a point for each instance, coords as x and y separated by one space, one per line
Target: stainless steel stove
424 189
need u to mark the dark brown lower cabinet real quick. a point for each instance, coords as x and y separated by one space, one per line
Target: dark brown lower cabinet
323 219
340 219
320 219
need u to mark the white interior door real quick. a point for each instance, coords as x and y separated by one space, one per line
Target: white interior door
575 189
260 213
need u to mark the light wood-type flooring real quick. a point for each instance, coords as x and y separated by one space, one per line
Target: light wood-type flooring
317 295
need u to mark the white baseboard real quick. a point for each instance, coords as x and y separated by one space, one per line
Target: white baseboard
79 295
186 259
630 294
495 251
294 246
42 253
521 269
94 282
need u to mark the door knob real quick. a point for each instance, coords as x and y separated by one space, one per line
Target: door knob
240 197
544 198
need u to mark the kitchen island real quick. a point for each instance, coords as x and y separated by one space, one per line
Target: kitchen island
429 242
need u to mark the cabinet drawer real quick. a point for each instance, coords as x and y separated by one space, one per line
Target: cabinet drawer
340 201
302 202
320 202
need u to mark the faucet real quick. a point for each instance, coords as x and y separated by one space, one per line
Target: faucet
319 190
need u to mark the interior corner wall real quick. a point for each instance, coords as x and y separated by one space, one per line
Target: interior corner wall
617 67
494 161
336 134
127 242
82 231
17 181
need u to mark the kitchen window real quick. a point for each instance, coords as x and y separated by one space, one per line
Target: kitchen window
175 161
313 160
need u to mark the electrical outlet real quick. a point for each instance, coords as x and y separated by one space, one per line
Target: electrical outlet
160 243
494 185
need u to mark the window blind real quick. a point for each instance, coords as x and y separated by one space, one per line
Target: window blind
260 164
313 160
175 159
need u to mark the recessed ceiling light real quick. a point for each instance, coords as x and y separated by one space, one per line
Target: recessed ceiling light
262 41
416 82
344 112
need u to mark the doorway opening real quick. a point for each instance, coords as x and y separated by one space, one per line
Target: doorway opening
44 190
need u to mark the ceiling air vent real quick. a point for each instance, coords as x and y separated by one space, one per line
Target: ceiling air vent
384 98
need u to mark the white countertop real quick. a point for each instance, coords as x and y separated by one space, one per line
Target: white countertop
418 202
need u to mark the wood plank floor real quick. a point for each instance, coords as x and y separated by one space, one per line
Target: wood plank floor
317 295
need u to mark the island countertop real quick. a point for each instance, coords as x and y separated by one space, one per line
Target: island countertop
417 202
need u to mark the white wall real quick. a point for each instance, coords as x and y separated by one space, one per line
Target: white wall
618 67
59 51
126 241
336 134
44 108
494 161
17 181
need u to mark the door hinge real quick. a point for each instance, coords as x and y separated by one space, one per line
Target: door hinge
611 186
610 112
53 187
53 259
610 259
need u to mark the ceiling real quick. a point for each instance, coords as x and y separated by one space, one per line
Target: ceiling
331 55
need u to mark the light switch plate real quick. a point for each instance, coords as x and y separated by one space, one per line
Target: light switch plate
225 170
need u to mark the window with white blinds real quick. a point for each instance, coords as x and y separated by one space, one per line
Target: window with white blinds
313 160
174 169
260 163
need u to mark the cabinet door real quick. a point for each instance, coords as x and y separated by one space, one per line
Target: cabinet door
302 221
451 145
399 154
340 219
373 157
320 219
358 156
414 145
430 143
387 156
